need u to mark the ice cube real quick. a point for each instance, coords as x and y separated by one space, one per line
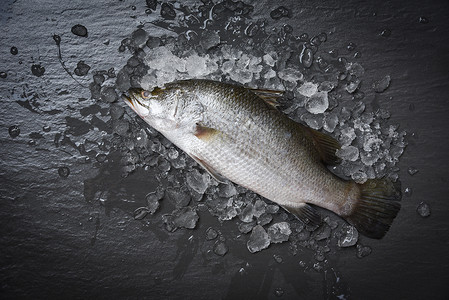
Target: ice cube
211 234
209 39
308 89
269 60
349 236
349 153
359 177
197 181
363 251
330 122
178 196
381 85
370 158
347 135
312 121
412 170
322 233
220 248
258 240
279 232
185 217
227 190
247 213
259 208
291 75
246 227
264 219
227 66
317 103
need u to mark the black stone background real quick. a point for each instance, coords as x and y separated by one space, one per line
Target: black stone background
55 243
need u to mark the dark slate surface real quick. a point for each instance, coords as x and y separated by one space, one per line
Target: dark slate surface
58 239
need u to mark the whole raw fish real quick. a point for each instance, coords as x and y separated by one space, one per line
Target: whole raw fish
237 133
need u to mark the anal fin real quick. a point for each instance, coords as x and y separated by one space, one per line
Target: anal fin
305 213
217 176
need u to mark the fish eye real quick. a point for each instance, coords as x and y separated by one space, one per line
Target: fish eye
146 94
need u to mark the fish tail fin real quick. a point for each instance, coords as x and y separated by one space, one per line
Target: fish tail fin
376 207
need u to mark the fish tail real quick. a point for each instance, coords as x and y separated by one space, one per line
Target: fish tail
376 207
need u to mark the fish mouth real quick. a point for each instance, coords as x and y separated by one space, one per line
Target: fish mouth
132 97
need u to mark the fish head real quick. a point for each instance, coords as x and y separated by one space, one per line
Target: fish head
152 106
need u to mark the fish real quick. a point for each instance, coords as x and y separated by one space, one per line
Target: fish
238 134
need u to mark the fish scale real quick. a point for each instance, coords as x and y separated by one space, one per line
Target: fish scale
234 134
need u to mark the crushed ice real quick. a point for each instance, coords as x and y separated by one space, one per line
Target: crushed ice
321 89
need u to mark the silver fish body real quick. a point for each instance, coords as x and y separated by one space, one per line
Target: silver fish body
234 134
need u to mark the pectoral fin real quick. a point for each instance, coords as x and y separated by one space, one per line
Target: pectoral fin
217 176
205 133
305 213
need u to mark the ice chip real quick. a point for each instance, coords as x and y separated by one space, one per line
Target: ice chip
317 103
423 210
279 232
258 240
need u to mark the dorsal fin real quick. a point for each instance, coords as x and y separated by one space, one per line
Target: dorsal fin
269 96
305 213
326 146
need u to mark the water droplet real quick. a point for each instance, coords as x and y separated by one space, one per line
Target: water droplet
351 46
46 128
306 57
280 12
279 292
423 210
100 157
79 30
133 7
277 258
63 172
408 191
385 32
3 75
423 20
14 131
167 11
14 50
37 70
